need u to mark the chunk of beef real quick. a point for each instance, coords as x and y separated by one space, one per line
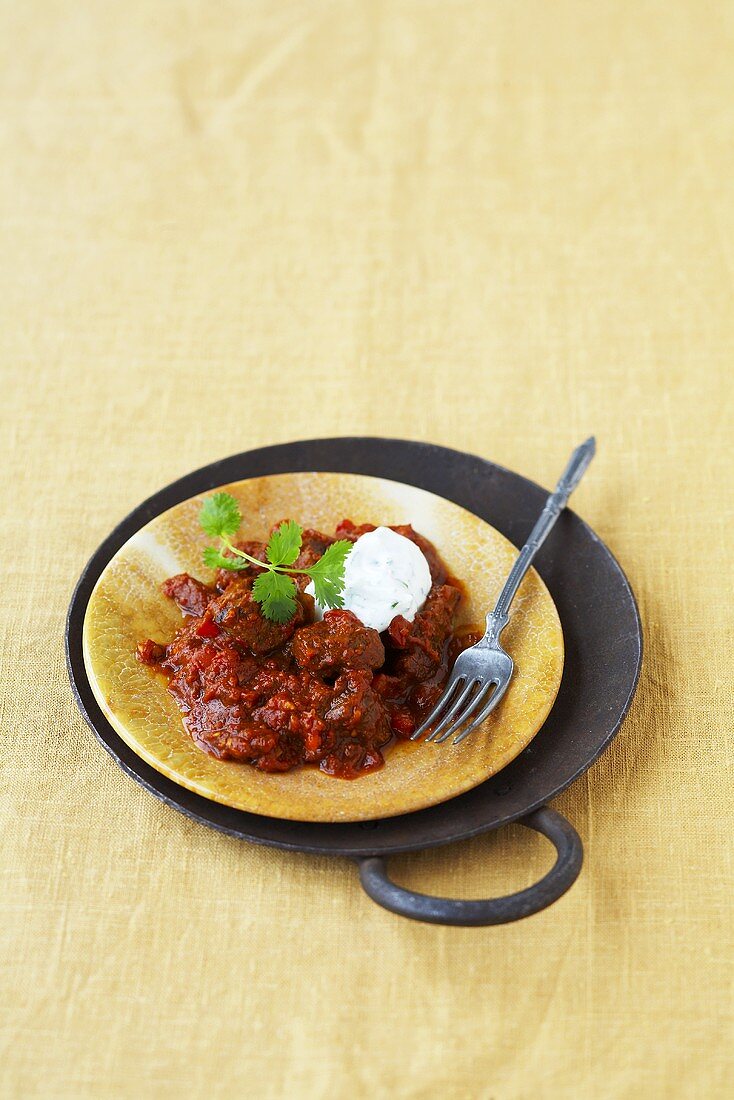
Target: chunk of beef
360 726
356 706
420 643
200 667
252 743
216 686
297 709
340 641
205 681
150 652
239 615
190 596
348 530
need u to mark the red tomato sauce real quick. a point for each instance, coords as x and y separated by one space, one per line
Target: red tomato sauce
332 693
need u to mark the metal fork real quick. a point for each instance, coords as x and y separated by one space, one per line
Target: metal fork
486 665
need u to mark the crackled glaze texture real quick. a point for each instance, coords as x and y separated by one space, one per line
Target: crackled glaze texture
127 606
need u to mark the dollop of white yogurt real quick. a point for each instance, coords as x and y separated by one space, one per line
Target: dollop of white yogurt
385 575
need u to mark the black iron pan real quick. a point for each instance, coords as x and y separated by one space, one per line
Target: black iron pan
603 641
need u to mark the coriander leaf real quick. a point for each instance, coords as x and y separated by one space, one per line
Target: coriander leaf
215 559
276 594
220 515
326 593
327 574
285 543
332 561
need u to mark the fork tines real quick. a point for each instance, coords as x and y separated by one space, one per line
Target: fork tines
464 699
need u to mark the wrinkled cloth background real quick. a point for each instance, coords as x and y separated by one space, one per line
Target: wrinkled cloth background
496 226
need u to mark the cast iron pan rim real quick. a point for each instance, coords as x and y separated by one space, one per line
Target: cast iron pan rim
180 489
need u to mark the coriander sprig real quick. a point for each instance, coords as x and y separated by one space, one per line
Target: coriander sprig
274 589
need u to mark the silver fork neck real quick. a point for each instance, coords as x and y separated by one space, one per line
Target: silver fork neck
496 623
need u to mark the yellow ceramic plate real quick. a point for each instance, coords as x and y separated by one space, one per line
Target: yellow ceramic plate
127 606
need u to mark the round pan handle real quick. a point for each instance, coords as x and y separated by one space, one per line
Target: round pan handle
474 914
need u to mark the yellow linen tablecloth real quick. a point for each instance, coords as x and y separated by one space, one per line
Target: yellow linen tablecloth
497 226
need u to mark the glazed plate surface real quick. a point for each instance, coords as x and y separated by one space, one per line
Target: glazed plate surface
127 606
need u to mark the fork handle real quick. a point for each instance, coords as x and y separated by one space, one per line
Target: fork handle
556 502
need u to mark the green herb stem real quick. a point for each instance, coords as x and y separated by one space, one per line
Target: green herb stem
261 564
220 517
